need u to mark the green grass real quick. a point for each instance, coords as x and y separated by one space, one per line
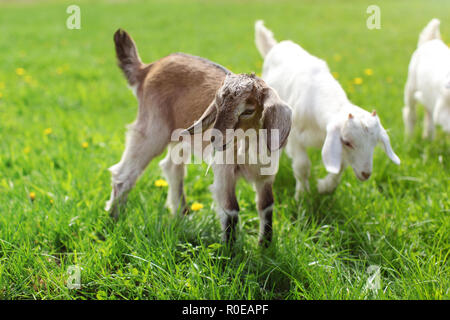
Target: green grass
323 245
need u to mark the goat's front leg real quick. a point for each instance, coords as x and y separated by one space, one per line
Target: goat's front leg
265 211
224 193
329 183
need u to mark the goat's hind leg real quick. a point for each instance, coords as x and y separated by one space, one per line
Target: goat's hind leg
144 142
409 110
174 173
301 166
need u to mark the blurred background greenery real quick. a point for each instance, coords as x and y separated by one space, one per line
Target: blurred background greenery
63 110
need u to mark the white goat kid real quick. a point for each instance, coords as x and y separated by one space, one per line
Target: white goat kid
323 116
429 82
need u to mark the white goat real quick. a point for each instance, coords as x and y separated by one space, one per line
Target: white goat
429 82
180 90
322 117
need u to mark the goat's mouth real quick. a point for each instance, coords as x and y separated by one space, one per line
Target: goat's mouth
361 175
225 146
221 139
221 147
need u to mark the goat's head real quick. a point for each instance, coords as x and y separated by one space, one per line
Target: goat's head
352 140
246 102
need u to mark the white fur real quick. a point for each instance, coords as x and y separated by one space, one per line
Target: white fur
134 89
429 82
322 114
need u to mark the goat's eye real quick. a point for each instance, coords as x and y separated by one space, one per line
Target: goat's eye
346 143
248 112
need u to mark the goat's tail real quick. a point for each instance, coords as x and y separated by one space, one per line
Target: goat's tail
430 32
127 56
263 38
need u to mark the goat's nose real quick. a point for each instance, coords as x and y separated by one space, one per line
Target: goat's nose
366 175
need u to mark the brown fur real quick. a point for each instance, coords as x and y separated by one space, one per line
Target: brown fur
180 85
183 91
269 111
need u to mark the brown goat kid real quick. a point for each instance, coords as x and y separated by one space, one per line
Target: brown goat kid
182 91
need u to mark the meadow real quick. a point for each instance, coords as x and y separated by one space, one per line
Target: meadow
64 107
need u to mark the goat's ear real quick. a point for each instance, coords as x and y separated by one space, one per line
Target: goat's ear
208 118
384 138
332 149
276 116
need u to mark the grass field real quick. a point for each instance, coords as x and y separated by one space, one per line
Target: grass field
64 105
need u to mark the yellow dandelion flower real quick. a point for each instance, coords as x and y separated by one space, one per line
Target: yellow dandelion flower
1 95
357 81
337 57
26 150
196 206
59 70
28 79
84 145
20 71
368 72
48 131
161 183
32 195
335 74
389 79
52 201
101 295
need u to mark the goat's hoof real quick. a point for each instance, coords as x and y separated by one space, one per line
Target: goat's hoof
113 208
264 243
299 192
324 187
185 212
228 241
114 214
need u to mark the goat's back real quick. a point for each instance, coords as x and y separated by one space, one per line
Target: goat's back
303 81
430 66
181 87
